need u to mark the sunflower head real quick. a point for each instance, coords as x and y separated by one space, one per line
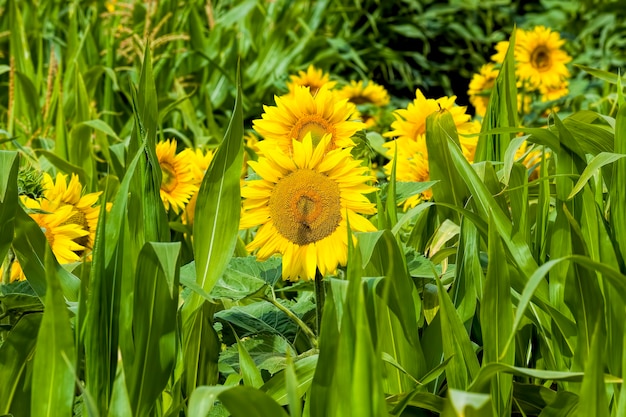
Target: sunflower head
312 78
178 183
410 123
303 204
301 114
480 87
199 162
370 93
540 59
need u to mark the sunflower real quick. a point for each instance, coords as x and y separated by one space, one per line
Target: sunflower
540 59
303 205
297 115
411 166
59 192
370 93
550 93
313 78
480 87
501 48
199 162
410 123
177 183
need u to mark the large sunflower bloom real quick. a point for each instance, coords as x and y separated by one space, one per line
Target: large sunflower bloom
370 93
58 193
303 205
313 78
297 115
177 182
480 88
539 57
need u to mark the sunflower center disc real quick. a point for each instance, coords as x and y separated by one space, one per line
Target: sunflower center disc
168 177
305 206
540 58
313 124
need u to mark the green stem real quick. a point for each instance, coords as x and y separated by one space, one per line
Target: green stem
320 298
306 329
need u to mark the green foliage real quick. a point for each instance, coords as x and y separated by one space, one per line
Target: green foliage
503 295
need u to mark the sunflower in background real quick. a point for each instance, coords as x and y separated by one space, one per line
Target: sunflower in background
303 204
409 129
540 69
480 88
369 99
312 78
178 184
300 114
198 161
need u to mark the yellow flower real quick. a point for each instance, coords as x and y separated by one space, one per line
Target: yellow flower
549 93
410 123
411 166
313 78
58 193
371 93
199 162
303 205
501 48
480 88
297 115
178 183
540 59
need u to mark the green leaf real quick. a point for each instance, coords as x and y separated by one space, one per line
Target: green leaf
593 399
250 373
120 403
617 191
154 324
9 165
218 206
276 386
15 351
609 77
53 367
496 315
467 404
501 112
244 401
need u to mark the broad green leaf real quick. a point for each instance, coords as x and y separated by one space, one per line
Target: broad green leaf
617 192
203 399
564 405
120 403
245 401
276 386
250 373
463 366
496 316
15 351
501 112
450 188
294 399
218 206
607 76
154 325
487 372
53 368
593 399
9 165
467 404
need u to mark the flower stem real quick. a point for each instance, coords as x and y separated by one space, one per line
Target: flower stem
306 329
320 298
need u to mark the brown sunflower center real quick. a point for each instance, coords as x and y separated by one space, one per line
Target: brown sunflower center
168 177
305 206
313 89
540 59
80 219
314 124
361 99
